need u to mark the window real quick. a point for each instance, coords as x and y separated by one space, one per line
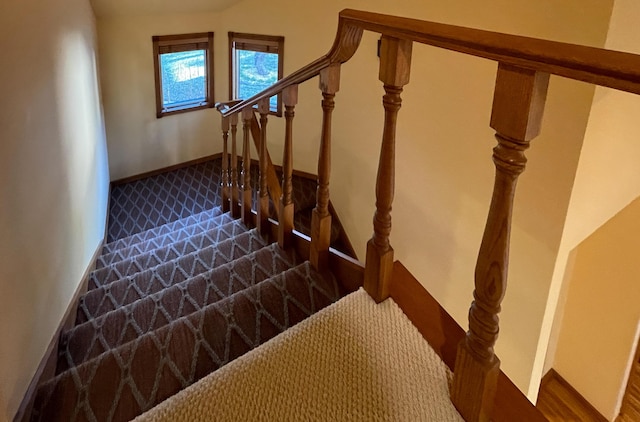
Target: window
255 63
183 72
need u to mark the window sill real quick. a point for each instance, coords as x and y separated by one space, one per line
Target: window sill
183 109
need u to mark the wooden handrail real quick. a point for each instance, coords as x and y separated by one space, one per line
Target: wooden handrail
344 47
608 68
613 69
524 66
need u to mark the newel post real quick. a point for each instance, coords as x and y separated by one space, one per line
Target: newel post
321 218
263 193
235 195
225 165
395 65
247 116
285 227
518 105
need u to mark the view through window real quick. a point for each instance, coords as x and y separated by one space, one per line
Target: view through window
183 78
255 64
183 72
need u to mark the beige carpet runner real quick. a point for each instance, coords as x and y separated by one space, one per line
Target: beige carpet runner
352 361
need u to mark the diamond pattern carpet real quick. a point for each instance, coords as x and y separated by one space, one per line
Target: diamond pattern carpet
154 201
352 361
188 196
179 290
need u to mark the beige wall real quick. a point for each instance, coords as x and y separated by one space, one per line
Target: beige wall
445 174
609 161
53 177
601 315
607 180
137 140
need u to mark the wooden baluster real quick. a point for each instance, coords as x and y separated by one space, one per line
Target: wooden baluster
320 217
263 201
235 194
247 116
285 227
225 165
518 105
395 66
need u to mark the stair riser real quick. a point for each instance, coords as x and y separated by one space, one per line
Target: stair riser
127 323
164 240
157 257
127 290
160 231
159 365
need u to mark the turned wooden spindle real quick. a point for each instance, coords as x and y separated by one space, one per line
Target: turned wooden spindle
320 217
247 116
285 227
263 193
518 105
395 66
235 186
224 185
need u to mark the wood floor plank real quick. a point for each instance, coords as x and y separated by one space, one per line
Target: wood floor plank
560 402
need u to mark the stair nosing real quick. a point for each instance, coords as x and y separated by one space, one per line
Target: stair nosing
109 247
152 252
213 221
202 274
183 319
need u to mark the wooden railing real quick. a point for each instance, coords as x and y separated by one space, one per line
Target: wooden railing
524 66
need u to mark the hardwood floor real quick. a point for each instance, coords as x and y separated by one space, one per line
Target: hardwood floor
559 401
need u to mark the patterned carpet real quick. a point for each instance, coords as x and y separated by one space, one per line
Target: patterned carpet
161 199
352 361
154 201
180 290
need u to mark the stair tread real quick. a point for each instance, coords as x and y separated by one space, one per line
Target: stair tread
122 291
155 257
136 376
160 230
130 321
163 240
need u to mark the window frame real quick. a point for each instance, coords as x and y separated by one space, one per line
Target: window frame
163 44
258 43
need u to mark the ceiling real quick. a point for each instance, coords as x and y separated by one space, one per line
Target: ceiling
109 8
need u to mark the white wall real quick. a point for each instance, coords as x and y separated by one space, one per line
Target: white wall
444 175
53 177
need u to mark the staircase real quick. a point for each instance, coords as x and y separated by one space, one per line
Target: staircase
185 287
168 305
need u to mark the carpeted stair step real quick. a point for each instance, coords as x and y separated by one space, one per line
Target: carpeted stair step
127 290
161 230
354 361
123 382
153 201
127 323
155 257
163 240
